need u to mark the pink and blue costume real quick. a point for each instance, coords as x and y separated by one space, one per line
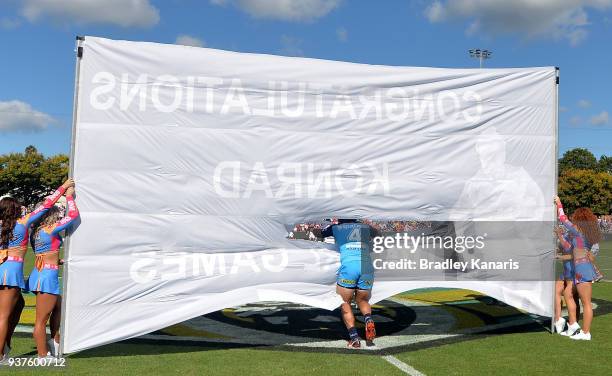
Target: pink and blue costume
568 265
45 277
11 258
580 269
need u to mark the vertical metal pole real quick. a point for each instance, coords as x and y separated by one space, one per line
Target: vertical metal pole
75 112
556 164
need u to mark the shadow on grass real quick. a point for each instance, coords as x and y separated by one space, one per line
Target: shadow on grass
485 309
272 326
139 346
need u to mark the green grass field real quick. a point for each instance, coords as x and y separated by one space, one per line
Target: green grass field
520 351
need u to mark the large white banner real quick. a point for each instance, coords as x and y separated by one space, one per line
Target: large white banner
193 164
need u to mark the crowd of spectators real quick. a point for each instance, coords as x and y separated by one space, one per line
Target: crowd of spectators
398 226
382 226
605 223
309 228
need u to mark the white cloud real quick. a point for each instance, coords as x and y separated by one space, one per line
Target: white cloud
17 116
601 118
583 103
562 109
291 46
286 10
8 23
576 36
436 12
188 40
559 19
575 120
342 34
139 13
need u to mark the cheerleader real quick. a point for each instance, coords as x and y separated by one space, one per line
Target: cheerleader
44 278
583 232
14 230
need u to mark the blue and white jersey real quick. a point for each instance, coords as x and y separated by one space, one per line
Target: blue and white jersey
353 240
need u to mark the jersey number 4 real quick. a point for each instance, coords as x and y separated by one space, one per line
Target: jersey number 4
355 235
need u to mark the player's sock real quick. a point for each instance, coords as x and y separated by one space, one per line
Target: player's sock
354 342
370 330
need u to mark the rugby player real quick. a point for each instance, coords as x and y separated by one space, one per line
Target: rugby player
355 275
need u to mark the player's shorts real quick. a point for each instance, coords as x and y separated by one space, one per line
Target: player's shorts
584 271
45 280
11 273
350 276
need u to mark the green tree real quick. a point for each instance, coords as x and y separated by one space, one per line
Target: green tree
605 164
577 159
29 176
588 188
53 172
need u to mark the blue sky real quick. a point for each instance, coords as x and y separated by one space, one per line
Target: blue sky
37 41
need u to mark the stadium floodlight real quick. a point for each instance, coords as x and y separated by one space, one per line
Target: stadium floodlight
481 55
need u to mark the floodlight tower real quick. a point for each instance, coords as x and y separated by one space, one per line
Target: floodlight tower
481 55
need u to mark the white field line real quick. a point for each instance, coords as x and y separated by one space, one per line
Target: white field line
407 369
